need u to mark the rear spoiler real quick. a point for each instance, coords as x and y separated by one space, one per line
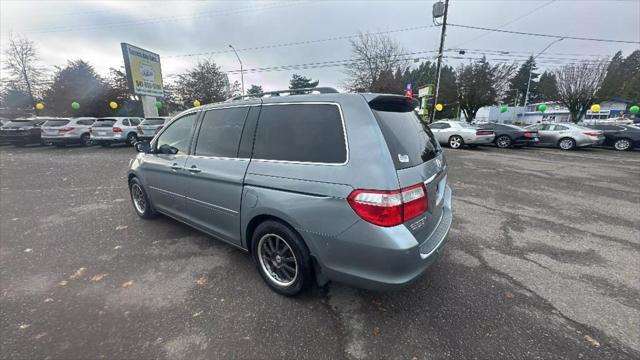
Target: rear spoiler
395 103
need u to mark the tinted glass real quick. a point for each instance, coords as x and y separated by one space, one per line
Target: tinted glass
135 121
104 123
85 122
507 127
304 132
152 122
439 126
558 127
55 123
465 124
409 142
220 132
175 139
125 122
20 123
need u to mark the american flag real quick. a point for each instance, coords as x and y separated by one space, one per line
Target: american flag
409 90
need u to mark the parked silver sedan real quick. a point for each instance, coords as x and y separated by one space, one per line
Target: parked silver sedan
567 136
459 133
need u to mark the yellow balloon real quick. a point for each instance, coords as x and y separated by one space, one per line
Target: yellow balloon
595 108
39 106
196 103
113 105
439 107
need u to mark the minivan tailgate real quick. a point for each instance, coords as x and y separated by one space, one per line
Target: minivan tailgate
433 174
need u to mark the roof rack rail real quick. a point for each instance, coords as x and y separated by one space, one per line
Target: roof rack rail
320 90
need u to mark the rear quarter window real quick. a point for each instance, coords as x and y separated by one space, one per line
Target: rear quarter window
301 133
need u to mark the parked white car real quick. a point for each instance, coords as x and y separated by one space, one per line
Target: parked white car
61 132
113 130
459 133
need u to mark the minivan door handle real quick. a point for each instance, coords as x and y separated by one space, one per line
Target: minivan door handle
175 166
194 169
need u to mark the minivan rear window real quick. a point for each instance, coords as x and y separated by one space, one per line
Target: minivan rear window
301 133
104 123
410 142
55 123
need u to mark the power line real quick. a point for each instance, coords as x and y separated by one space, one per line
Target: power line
169 18
304 42
545 35
509 22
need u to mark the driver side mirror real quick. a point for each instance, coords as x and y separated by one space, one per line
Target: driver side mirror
143 147
167 149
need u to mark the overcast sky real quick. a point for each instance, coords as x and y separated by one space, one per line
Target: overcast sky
93 31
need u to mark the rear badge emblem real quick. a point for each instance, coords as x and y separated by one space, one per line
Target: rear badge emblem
403 158
438 163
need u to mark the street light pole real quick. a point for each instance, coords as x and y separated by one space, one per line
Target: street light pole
241 70
526 96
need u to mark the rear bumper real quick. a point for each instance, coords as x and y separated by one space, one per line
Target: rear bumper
20 139
61 139
109 139
378 258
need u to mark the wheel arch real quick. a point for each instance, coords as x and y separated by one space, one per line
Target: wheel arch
259 219
575 143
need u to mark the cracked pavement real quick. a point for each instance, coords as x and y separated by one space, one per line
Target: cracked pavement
543 261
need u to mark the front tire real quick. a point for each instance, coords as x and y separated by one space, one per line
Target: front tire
282 258
503 141
455 142
132 139
140 200
85 140
567 144
622 144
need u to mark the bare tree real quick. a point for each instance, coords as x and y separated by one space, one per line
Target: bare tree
481 84
21 60
374 57
578 85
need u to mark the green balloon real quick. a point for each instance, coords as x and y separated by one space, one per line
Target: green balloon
503 109
634 109
158 104
75 105
542 107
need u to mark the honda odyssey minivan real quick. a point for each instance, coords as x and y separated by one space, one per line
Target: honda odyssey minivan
316 186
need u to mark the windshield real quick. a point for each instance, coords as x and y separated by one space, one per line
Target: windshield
104 123
409 141
55 123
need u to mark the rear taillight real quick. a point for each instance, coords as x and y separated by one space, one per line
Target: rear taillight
591 133
529 134
117 130
484 132
65 129
389 207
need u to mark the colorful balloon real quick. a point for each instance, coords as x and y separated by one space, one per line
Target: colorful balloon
158 104
75 105
39 106
113 105
439 107
595 108
196 103
634 109
503 109
542 107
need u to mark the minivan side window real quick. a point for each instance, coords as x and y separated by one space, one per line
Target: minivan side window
175 138
301 133
220 132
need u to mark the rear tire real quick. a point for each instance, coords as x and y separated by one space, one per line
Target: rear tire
140 200
622 144
567 144
282 258
85 140
503 141
131 139
456 142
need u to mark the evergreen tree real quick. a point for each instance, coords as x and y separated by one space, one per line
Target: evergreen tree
205 82
547 87
518 83
255 90
301 82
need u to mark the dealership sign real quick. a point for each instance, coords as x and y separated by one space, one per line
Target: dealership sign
143 71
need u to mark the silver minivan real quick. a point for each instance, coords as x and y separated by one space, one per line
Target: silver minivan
316 187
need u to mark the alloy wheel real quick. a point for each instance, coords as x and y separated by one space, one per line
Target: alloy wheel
277 260
139 200
566 144
622 144
503 142
455 142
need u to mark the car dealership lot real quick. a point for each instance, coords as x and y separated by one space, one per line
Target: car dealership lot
542 262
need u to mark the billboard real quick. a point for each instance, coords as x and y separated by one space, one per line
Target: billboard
143 71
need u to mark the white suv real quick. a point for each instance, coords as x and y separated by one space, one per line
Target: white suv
112 130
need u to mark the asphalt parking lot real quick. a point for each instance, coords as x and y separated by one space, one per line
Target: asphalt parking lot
543 261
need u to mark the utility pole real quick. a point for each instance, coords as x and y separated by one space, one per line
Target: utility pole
241 70
439 65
